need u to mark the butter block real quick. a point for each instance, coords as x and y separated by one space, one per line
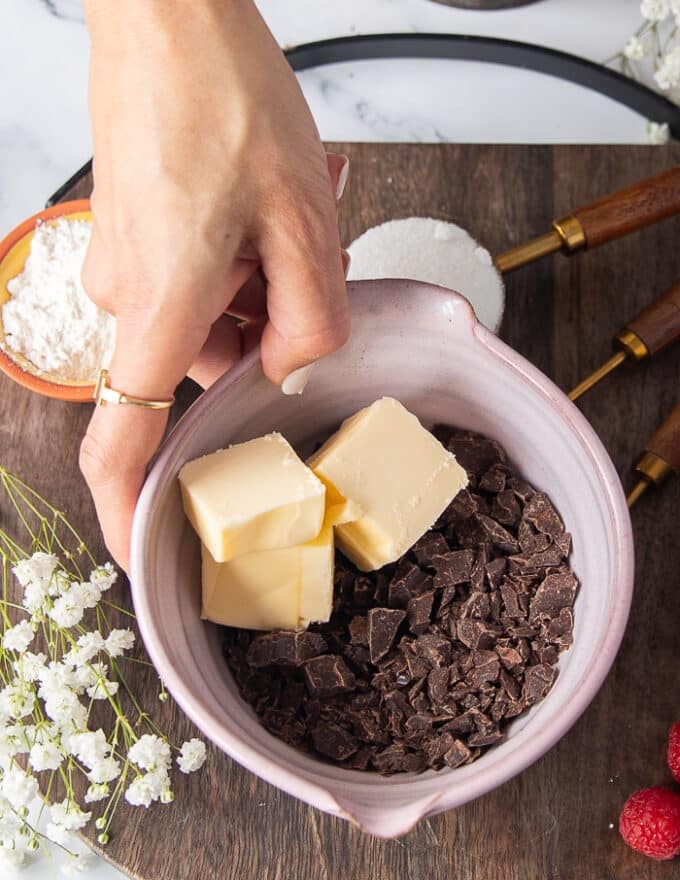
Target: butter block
252 496
396 471
287 588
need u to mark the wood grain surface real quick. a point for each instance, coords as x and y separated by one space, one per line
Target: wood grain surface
557 820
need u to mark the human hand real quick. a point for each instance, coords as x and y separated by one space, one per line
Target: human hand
212 191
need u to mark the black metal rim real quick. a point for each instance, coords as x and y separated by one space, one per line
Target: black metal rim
460 47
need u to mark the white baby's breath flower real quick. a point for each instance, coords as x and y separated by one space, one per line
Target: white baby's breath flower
147 788
634 49
63 706
90 747
13 740
104 577
103 771
58 834
85 594
654 10
87 646
37 568
150 752
45 756
103 689
192 756
18 788
60 583
69 815
19 637
97 792
68 609
93 679
29 666
668 75
16 702
118 641
53 677
658 133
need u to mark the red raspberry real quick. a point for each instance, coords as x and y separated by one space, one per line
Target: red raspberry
650 822
674 751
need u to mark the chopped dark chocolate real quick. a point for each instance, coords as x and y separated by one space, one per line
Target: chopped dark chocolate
424 663
285 648
328 675
452 568
334 741
419 612
383 624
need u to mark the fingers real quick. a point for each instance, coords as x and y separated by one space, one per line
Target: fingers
222 349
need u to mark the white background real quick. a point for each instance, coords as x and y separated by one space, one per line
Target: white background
44 131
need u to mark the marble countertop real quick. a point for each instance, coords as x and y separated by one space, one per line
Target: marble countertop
44 128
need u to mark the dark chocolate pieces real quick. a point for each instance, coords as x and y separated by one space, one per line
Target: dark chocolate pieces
424 663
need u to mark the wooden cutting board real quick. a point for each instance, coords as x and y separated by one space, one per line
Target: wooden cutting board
557 820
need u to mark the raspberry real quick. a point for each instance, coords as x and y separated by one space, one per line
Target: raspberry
674 751
650 823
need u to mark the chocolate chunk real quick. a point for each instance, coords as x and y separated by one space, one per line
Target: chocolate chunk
477 605
494 571
521 488
285 648
497 535
430 545
509 684
358 630
419 612
509 657
511 602
474 634
328 675
494 479
505 508
417 728
543 516
452 568
537 682
458 754
563 541
438 684
418 667
434 648
334 741
521 564
408 581
469 533
486 739
366 726
390 759
383 624
561 628
436 747
556 591
531 541
359 760
462 507
486 666
414 762
475 453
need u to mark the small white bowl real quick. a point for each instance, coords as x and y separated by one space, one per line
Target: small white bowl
422 345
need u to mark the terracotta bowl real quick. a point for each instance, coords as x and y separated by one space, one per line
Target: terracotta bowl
14 250
422 345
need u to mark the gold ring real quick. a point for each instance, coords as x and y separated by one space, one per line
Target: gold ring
104 394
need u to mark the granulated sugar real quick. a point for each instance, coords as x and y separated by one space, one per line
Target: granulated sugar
435 252
49 319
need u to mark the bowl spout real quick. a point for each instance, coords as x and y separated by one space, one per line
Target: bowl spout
382 815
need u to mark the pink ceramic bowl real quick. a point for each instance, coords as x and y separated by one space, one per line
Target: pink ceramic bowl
422 345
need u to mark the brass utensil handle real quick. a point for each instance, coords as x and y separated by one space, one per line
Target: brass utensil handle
658 325
632 208
665 443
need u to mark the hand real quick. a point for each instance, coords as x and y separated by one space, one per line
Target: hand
211 188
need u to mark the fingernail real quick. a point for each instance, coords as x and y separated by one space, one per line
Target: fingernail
342 179
346 261
296 382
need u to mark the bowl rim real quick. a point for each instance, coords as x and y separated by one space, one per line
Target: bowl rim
330 798
46 387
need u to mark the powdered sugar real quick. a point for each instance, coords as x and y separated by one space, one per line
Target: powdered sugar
49 318
424 249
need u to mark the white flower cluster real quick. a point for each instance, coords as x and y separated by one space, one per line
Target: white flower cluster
46 699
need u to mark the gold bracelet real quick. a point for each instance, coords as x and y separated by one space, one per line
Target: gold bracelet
104 394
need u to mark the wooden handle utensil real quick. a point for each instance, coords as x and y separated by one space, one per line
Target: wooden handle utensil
661 458
606 219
